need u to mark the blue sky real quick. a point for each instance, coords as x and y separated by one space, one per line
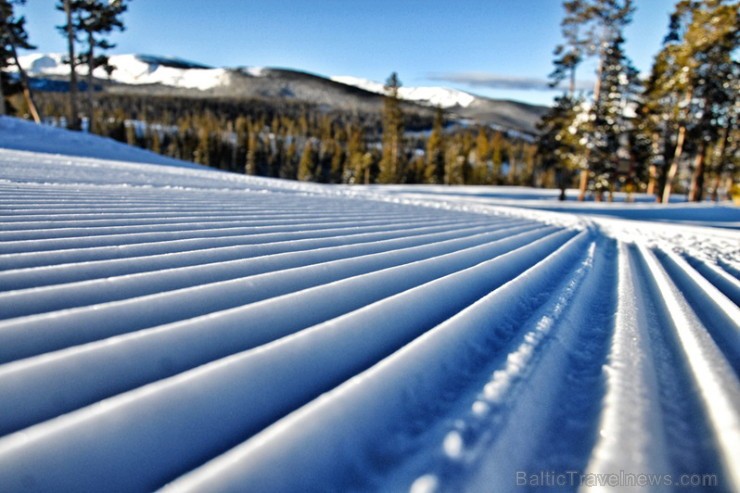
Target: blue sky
504 45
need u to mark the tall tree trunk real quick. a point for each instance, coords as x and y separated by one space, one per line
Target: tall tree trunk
3 108
652 179
73 123
597 83
90 89
715 187
696 192
561 181
680 140
721 164
26 87
572 86
729 183
583 185
652 169
673 170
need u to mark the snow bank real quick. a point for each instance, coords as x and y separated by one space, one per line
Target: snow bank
26 136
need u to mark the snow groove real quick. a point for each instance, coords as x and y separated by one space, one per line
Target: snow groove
717 385
722 280
26 302
30 277
50 331
366 407
629 414
719 314
40 259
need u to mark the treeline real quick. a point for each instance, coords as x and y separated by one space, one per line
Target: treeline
299 141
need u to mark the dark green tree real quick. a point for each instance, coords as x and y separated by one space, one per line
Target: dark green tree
590 28
96 20
608 124
435 151
72 10
569 54
13 36
483 163
392 162
559 147
308 163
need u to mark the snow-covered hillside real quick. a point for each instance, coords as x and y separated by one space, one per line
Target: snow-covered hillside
435 96
174 72
134 69
187 329
25 136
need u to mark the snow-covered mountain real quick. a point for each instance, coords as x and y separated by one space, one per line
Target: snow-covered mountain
435 96
149 73
175 72
134 69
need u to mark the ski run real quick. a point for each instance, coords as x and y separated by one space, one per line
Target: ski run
164 326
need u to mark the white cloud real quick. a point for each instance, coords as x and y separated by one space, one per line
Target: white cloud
496 81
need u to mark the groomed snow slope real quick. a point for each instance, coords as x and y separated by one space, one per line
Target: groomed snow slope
191 330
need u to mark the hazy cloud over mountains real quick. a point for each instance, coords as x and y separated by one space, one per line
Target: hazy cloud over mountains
496 81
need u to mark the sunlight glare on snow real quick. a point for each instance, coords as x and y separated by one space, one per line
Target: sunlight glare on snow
425 484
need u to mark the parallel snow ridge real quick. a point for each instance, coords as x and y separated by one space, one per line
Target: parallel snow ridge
184 329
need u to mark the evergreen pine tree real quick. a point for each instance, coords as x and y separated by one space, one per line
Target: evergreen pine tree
481 172
590 28
96 19
559 146
455 161
250 167
289 170
608 126
13 36
355 172
435 150
570 54
498 156
392 161
307 164
72 11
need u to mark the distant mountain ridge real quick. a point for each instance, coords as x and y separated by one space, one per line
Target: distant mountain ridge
152 74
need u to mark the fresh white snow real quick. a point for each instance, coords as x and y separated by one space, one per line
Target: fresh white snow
434 96
131 69
167 326
145 69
